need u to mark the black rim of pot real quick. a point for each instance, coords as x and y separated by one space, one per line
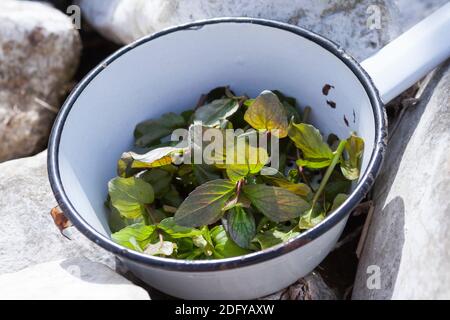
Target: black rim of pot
356 196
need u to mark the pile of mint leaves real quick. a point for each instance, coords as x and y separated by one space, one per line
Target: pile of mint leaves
197 211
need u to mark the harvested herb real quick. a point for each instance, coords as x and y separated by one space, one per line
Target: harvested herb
164 202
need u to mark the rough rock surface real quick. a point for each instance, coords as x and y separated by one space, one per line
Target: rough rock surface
311 287
71 279
28 235
39 53
412 11
360 26
407 243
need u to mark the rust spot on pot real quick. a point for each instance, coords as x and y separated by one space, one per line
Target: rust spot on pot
326 89
346 121
332 104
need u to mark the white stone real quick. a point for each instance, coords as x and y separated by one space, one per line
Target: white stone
362 26
409 236
39 53
28 235
71 279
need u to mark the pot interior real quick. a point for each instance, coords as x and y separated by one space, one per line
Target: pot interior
170 72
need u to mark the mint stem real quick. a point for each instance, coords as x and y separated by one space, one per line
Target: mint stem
326 177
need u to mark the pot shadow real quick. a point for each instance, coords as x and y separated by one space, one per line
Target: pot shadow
390 237
90 271
379 267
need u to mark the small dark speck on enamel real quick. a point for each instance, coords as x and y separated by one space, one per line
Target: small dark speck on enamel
354 116
326 89
346 121
332 104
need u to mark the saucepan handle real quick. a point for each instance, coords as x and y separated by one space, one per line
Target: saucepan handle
411 56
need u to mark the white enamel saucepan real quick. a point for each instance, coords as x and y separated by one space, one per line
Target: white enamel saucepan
167 71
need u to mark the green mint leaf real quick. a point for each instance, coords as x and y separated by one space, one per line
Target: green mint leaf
300 189
290 106
354 149
204 173
159 179
151 131
135 234
309 140
241 226
130 195
172 197
311 218
176 231
224 246
338 201
204 205
213 113
237 201
273 237
267 113
276 203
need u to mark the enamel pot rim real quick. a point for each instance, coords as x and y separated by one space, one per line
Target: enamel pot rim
356 196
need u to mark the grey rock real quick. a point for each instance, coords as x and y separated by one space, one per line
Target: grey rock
360 26
71 279
28 235
311 287
412 11
39 53
406 253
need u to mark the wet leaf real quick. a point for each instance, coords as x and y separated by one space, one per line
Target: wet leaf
129 196
267 113
204 205
276 203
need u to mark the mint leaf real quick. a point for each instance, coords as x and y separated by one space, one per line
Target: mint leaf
273 237
138 233
159 179
151 131
241 226
354 149
309 140
276 203
204 205
130 195
224 246
267 113
213 113
169 226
